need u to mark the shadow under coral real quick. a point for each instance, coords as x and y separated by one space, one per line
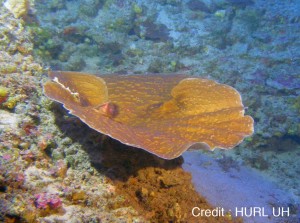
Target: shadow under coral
110 157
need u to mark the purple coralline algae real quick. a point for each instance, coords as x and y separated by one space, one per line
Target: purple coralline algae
45 200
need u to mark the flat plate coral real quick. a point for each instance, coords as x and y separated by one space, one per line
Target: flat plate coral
162 114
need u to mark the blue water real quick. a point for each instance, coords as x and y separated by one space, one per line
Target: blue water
252 45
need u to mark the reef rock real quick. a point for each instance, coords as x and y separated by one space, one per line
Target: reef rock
8 120
18 8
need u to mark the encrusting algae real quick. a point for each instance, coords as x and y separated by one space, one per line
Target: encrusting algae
164 115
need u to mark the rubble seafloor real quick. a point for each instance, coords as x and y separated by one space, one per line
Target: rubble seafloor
53 167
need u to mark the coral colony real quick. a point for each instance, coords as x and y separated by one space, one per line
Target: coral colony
163 115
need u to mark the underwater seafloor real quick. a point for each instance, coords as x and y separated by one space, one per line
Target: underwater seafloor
53 168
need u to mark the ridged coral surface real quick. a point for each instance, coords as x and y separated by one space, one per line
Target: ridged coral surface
162 114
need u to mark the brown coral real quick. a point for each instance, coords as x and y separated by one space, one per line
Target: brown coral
163 114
